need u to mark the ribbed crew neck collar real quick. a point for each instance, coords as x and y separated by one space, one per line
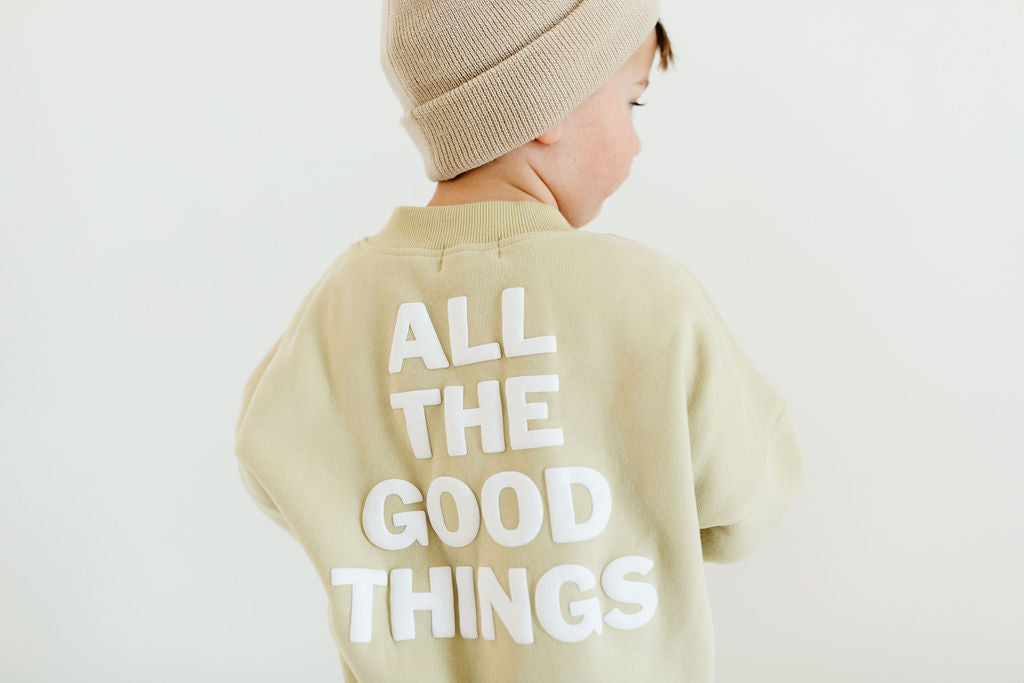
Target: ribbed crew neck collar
439 227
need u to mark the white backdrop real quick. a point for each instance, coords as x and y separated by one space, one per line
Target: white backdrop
174 177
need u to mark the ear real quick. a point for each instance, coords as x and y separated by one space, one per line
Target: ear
550 137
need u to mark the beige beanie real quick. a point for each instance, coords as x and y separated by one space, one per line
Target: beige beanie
478 78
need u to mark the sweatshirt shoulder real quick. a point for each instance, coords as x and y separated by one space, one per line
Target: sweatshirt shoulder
645 263
631 251
307 316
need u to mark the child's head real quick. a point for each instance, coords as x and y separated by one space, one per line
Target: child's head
519 99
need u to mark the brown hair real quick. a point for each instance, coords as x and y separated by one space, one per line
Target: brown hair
664 47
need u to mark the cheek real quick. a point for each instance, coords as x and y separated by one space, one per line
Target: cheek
613 153
603 149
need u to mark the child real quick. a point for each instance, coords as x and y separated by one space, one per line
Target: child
508 445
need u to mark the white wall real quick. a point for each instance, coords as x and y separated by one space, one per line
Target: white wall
175 176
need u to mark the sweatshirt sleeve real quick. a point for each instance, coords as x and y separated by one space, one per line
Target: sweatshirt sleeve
747 463
252 485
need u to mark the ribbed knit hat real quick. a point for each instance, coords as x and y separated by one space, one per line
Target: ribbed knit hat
478 78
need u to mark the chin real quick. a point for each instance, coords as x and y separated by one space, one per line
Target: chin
579 218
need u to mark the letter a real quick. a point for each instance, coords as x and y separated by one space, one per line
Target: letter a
413 316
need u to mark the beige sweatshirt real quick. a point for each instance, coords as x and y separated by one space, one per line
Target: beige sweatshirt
508 446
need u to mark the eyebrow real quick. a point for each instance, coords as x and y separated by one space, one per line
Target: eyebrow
646 81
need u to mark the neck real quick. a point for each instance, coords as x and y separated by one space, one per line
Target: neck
496 180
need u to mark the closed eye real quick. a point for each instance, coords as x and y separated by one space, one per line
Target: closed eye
638 104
